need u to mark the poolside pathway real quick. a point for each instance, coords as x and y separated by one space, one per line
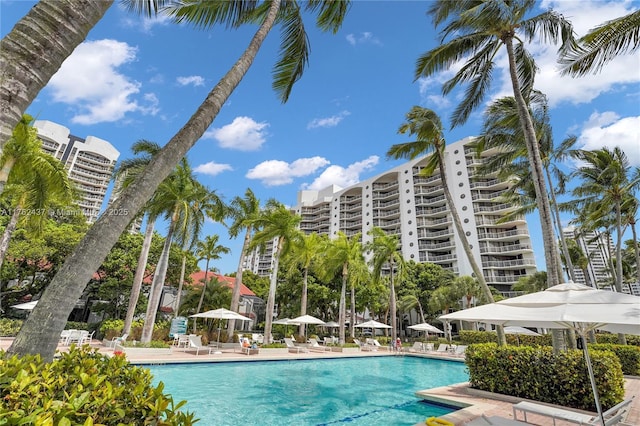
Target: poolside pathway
476 402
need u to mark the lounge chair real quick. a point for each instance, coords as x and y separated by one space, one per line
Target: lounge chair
195 344
428 347
443 348
118 340
460 350
315 346
494 421
294 348
247 348
417 347
612 416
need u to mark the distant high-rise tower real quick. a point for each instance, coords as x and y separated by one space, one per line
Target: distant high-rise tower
597 248
89 162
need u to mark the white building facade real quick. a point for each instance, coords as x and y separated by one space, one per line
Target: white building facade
403 202
89 162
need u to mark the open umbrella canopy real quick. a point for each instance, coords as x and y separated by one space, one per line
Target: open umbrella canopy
28 306
426 327
221 313
372 324
284 321
520 330
306 319
331 324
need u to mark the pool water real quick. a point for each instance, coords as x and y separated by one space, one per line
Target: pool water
357 391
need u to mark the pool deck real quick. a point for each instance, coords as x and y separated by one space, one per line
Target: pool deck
475 402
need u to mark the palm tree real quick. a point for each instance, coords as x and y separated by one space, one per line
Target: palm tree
305 252
479 30
36 182
427 127
244 212
502 132
385 255
276 225
601 45
341 254
40 331
216 295
409 302
184 202
209 249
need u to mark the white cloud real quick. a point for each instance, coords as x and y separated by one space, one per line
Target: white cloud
144 24
276 172
364 37
196 80
341 176
609 130
332 121
212 168
90 83
243 134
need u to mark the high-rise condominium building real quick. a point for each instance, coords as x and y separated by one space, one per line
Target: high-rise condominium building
596 248
405 203
89 161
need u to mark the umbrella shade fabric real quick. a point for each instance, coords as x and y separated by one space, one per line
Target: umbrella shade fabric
426 327
307 319
221 313
331 324
28 306
285 321
372 324
520 330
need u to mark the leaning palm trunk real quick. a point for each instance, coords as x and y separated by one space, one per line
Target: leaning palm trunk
41 331
636 250
5 171
342 308
502 339
157 285
35 49
622 339
533 154
182 272
563 241
8 233
235 295
139 276
271 299
204 290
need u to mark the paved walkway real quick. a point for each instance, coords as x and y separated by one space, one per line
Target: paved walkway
475 402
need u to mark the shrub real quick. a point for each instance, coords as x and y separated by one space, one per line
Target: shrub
629 356
613 339
83 387
273 345
470 337
538 374
9 327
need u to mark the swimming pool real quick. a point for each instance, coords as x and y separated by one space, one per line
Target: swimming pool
357 391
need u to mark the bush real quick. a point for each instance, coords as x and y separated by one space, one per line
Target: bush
538 374
629 356
9 327
613 339
83 387
469 337
273 345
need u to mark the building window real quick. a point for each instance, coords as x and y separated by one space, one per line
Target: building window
410 222
456 151
406 181
407 191
457 162
410 232
464 208
462 196
410 244
468 233
409 211
412 256
466 221
459 173
408 201
461 184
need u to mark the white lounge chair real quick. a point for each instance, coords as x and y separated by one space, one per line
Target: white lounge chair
315 346
118 340
494 421
460 350
195 344
612 416
417 347
443 348
294 348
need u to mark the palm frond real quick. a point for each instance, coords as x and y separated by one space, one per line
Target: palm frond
294 51
205 14
331 14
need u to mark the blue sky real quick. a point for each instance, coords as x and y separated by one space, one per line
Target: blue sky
138 78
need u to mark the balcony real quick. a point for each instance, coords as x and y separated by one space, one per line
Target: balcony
516 263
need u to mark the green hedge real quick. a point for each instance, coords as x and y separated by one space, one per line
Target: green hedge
613 339
83 387
628 355
538 374
10 327
470 337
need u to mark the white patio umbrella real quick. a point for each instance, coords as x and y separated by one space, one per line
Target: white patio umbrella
27 306
426 327
372 324
519 331
220 313
331 324
564 306
307 319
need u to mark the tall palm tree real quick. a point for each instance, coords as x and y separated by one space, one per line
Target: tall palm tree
426 126
39 332
341 254
359 274
36 182
479 30
502 132
209 250
601 45
385 256
277 225
305 252
243 212
184 202
216 295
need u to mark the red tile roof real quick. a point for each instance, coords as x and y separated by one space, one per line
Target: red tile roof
198 277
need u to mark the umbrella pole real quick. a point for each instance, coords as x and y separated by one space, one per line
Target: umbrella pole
592 378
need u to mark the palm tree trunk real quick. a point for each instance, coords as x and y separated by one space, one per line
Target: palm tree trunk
622 339
636 249
235 295
558 222
40 332
271 299
8 232
354 314
342 307
303 299
182 272
36 47
139 276
392 307
157 285
5 171
204 290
